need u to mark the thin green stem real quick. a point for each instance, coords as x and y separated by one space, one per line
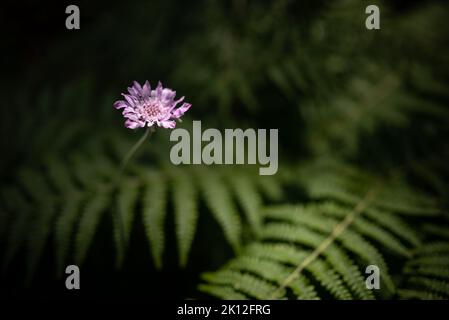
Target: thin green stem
148 132
120 220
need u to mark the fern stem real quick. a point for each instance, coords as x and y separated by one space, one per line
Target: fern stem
339 229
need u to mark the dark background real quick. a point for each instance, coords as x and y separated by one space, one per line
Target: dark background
219 55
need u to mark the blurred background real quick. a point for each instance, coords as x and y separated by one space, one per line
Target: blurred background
373 99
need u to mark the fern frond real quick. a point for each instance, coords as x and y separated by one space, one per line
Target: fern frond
335 233
287 255
186 213
275 272
59 175
248 197
365 250
437 231
290 255
242 282
426 274
437 286
351 240
38 188
14 198
64 227
34 183
154 202
395 224
329 279
92 212
417 294
222 292
431 271
398 197
300 287
303 290
253 261
437 247
331 180
431 260
82 169
270 186
267 270
73 185
349 271
315 217
371 229
38 235
218 199
127 197
41 212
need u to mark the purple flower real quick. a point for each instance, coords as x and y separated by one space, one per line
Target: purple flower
145 107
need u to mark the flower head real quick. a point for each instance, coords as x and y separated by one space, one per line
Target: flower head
144 107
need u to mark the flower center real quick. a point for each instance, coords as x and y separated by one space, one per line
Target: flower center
153 110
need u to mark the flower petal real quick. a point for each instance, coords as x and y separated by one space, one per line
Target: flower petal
131 124
120 104
132 91
181 110
159 89
168 124
146 90
129 110
133 117
176 102
168 95
129 99
137 87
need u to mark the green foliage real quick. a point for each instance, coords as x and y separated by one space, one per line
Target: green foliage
68 199
328 243
285 258
89 221
154 214
324 178
426 274
127 198
218 199
248 196
185 200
